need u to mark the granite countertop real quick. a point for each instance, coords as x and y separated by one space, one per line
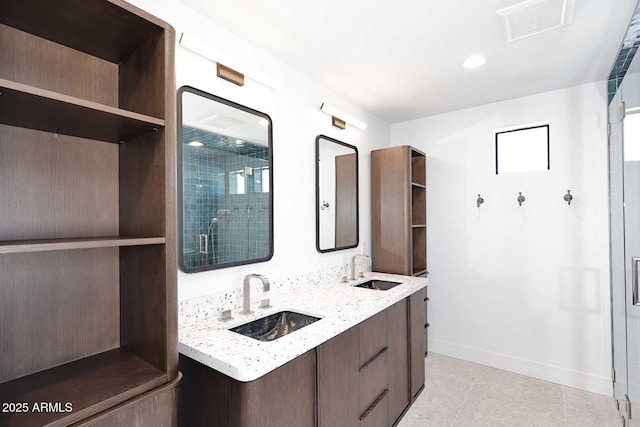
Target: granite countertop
339 305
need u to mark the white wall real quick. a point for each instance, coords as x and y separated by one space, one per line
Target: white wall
520 288
297 120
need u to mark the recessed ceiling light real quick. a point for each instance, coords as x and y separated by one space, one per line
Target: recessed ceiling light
264 122
195 144
474 62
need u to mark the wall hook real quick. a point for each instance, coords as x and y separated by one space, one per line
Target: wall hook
520 199
568 197
325 205
479 200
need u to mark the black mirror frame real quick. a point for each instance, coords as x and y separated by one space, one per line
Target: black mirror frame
179 187
318 194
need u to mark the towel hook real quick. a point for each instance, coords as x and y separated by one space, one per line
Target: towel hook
479 200
520 199
568 197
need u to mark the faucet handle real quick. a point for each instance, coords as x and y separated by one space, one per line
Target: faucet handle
265 303
225 316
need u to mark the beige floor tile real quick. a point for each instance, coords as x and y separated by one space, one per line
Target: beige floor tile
584 409
509 411
463 394
446 384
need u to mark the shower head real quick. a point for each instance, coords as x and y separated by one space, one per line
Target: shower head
214 220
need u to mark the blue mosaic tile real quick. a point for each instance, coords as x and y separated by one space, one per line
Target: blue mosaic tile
217 185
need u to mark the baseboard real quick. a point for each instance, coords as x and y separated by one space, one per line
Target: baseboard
551 373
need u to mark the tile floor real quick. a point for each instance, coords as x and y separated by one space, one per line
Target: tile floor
464 394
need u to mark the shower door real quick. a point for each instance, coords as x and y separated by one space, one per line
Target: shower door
624 167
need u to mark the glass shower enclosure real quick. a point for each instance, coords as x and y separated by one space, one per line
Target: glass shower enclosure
624 181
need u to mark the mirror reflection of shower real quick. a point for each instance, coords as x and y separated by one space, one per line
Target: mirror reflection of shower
226 183
225 196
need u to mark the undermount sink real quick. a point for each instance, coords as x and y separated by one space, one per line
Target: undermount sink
274 326
378 285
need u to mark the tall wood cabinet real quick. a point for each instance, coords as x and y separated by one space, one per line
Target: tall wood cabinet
87 232
398 211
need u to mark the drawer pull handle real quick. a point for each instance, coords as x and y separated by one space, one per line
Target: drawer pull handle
374 404
373 359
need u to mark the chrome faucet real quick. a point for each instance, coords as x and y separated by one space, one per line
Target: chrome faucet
353 265
246 289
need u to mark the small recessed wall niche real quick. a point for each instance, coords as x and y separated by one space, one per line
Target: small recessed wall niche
336 195
522 149
225 186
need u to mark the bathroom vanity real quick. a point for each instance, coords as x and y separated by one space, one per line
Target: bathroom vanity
361 363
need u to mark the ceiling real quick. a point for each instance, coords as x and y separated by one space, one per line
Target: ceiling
402 59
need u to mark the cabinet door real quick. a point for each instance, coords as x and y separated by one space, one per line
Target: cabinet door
284 397
398 330
416 340
157 408
338 363
426 323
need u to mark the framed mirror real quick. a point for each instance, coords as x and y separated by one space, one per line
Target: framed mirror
337 210
225 189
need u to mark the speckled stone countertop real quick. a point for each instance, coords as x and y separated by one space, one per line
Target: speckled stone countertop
339 305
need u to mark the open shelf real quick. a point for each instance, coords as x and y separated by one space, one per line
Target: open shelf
418 272
87 236
104 29
34 108
418 206
415 184
91 385
23 246
418 226
418 176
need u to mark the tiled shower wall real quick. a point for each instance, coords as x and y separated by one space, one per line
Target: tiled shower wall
209 174
625 54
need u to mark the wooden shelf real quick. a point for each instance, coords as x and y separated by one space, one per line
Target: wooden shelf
34 108
106 30
22 246
419 272
91 385
415 184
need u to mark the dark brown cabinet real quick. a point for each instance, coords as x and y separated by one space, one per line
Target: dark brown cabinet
284 397
338 378
426 323
398 211
374 371
417 321
397 336
87 253
364 377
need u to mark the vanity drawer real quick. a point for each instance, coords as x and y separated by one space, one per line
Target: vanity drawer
373 379
376 415
373 336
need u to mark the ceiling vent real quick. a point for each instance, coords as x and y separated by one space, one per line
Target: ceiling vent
219 121
533 17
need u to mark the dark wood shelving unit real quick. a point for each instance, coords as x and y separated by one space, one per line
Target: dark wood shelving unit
87 230
22 246
34 108
111 377
399 211
110 30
